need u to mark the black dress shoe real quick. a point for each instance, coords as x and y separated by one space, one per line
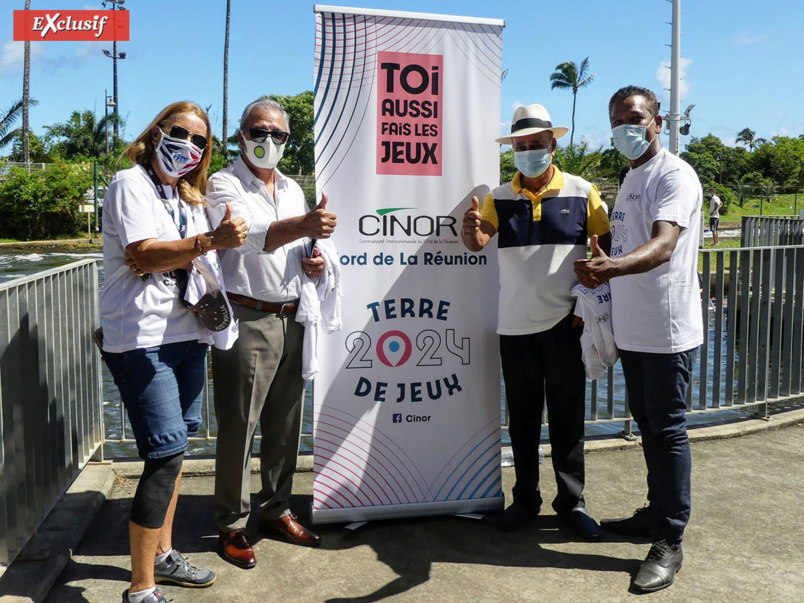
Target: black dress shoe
659 568
515 516
641 523
579 521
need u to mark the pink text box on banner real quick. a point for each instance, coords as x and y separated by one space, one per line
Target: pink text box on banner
409 102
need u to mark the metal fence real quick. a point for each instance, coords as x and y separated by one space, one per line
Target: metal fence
51 420
767 231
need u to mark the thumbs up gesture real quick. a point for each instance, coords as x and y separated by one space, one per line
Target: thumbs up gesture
472 219
592 272
319 223
230 232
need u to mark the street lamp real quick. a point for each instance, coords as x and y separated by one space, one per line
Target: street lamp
109 103
114 55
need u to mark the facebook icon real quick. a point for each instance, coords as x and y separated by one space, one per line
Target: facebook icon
397 417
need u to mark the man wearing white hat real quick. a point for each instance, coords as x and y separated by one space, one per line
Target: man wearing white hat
544 218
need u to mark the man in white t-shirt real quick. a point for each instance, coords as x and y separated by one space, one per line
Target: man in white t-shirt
656 317
714 215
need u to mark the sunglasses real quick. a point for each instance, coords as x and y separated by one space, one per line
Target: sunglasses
260 135
184 134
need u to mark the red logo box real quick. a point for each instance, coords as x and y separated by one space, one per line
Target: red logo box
409 107
71 25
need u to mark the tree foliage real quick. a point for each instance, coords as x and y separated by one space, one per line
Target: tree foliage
578 160
43 204
299 157
8 119
82 136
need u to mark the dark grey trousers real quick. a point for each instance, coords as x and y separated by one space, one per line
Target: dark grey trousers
259 379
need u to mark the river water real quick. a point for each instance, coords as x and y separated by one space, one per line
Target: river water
15 264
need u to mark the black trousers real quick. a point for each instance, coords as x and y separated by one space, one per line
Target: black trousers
541 367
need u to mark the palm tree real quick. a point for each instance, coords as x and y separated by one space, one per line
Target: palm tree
226 79
7 120
83 134
569 75
26 92
578 161
748 137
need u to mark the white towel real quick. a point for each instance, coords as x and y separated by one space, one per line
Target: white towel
597 341
319 306
206 276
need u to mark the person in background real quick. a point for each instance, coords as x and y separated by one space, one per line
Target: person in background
656 317
154 224
714 215
259 380
544 218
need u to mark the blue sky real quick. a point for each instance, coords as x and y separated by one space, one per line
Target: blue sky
742 60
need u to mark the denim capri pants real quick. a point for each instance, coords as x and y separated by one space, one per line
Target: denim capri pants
161 388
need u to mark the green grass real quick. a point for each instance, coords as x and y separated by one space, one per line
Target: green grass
779 205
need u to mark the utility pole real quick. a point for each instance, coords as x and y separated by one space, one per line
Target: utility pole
674 116
116 5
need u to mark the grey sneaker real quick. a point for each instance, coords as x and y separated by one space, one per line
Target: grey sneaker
177 569
154 597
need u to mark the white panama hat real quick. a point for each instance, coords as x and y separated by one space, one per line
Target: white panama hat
531 120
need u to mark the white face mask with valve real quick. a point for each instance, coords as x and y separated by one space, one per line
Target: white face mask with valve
264 155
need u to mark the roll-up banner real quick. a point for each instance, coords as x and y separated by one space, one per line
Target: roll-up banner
407 404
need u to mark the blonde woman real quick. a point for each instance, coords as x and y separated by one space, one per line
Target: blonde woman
154 225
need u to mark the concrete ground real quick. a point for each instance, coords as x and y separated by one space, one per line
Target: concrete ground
745 541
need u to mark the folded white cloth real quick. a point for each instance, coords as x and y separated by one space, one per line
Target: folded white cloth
597 341
319 306
206 277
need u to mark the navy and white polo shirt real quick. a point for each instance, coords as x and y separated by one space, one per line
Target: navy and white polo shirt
539 237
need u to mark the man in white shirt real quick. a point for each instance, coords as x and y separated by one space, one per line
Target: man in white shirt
714 215
656 317
260 378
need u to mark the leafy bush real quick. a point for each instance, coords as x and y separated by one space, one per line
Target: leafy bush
43 204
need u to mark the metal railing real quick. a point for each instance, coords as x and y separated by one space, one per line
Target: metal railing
771 231
51 418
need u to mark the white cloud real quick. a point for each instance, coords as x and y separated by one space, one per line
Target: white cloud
596 139
663 77
12 55
780 132
87 50
745 39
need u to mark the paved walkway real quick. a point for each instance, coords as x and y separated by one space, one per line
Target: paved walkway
745 541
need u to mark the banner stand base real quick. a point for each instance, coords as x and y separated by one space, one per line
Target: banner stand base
363 514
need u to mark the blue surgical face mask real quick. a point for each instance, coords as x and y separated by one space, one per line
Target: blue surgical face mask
631 140
532 163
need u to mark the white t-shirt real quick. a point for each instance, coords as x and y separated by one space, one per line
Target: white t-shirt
136 313
714 207
658 311
273 276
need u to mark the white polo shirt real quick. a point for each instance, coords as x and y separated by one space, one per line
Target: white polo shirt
273 276
658 311
138 313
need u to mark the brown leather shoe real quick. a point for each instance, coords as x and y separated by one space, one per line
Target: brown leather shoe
287 528
236 548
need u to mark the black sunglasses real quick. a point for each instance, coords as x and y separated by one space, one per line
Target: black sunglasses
184 134
261 134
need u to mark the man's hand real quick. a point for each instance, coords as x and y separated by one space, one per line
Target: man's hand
319 223
314 266
474 231
230 233
596 270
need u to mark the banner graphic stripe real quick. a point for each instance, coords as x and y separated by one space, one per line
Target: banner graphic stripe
351 472
406 463
489 465
379 486
468 466
356 490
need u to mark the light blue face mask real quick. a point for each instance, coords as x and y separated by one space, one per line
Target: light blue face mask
631 140
532 163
